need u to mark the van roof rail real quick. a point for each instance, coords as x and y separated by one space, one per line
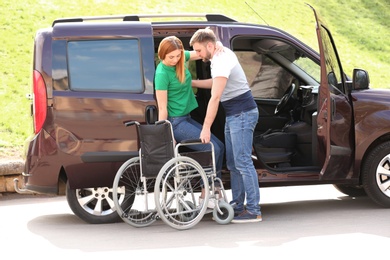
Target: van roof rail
137 17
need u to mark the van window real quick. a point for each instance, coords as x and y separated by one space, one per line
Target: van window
105 65
266 78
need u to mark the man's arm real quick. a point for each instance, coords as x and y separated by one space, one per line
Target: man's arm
217 89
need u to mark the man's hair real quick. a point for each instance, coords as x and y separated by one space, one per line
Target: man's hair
203 36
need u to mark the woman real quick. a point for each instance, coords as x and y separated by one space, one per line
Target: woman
175 97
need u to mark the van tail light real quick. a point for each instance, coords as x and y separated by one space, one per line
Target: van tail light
39 101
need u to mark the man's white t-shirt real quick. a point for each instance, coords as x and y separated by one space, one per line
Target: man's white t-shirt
225 64
236 97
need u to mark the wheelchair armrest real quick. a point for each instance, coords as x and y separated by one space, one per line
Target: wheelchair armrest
130 123
161 122
191 141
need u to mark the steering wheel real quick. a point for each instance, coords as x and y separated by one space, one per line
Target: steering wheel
285 100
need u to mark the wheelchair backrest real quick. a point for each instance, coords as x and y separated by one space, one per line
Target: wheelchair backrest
157 147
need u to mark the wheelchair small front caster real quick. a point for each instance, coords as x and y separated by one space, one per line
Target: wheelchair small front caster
227 213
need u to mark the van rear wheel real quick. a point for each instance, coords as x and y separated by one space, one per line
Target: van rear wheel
93 205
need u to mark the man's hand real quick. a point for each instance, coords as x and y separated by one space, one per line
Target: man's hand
205 135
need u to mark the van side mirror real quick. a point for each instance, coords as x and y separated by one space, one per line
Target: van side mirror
360 79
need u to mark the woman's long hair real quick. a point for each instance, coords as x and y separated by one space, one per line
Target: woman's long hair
169 44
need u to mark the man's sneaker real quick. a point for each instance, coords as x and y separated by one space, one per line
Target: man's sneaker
236 212
247 217
210 203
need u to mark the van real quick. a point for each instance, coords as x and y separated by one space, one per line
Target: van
316 125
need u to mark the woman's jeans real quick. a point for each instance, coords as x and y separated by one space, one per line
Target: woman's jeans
186 128
239 130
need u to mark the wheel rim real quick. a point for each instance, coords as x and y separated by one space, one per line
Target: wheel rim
96 201
383 175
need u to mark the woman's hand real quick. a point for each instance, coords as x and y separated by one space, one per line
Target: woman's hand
219 47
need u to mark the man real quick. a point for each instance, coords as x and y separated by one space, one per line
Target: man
230 87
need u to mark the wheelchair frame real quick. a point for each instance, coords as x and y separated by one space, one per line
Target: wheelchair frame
173 176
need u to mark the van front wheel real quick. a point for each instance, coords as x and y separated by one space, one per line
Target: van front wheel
376 174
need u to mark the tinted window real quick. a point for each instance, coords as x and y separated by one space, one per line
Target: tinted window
105 65
310 67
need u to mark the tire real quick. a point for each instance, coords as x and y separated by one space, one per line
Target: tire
376 174
190 215
129 195
227 213
92 205
351 190
175 193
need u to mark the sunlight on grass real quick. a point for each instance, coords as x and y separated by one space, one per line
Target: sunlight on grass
360 29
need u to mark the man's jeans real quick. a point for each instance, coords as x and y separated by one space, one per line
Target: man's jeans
238 141
186 128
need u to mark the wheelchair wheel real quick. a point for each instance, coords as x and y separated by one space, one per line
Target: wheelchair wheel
129 195
227 213
177 190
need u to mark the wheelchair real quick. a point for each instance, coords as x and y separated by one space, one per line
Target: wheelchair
165 180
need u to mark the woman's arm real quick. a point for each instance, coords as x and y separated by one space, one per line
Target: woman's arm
202 83
162 103
195 56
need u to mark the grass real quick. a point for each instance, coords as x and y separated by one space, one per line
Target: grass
360 29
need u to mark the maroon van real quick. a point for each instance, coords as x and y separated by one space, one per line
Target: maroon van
316 124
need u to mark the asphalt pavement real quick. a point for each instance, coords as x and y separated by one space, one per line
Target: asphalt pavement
307 222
